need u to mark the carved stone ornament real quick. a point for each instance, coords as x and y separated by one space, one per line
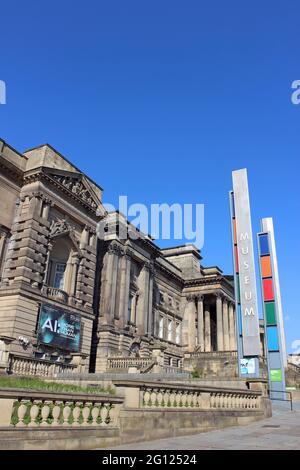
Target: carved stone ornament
77 188
60 226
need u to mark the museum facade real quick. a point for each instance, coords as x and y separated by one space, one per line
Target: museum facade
71 302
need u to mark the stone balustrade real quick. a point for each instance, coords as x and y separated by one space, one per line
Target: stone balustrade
123 363
38 367
163 397
203 354
55 294
173 370
44 409
155 395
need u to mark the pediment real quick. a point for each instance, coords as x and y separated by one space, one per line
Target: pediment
78 187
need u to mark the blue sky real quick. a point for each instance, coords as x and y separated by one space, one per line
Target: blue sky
161 100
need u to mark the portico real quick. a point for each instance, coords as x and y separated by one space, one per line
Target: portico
211 323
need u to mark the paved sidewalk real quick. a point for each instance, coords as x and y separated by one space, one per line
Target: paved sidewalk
282 431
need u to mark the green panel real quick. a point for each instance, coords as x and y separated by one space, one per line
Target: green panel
275 375
270 313
238 289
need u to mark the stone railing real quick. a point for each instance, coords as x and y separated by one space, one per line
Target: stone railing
212 354
173 370
23 408
123 363
55 294
180 396
38 367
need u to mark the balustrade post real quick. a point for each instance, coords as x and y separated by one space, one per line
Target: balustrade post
22 412
34 412
86 413
95 413
66 413
45 412
56 413
77 413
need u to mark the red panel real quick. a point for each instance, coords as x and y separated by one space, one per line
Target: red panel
236 260
268 289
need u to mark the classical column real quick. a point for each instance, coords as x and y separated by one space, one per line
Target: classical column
220 342
189 324
35 203
75 263
3 237
84 240
150 322
124 288
108 287
200 331
143 303
207 329
232 332
226 343
46 205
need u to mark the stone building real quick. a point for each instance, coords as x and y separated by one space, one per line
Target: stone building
126 301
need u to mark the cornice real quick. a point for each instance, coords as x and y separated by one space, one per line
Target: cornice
203 281
11 172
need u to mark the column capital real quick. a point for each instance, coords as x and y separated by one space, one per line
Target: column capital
191 297
150 266
199 297
115 248
219 295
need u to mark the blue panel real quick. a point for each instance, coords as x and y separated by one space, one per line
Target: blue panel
272 338
264 244
232 205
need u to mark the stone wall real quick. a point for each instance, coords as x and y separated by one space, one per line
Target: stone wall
140 411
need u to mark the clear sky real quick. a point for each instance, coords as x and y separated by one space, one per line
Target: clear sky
161 100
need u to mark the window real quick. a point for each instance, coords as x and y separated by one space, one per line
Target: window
177 339
161 327
170 301
59 275
170 324
161 297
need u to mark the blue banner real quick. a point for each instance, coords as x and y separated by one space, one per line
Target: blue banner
59 328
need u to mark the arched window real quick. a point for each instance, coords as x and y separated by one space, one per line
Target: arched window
63 262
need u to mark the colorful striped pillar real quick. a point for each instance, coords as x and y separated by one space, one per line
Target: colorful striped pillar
273 330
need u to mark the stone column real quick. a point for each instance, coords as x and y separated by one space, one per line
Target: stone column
84 240
124 288
220 342
143 303
207 329
47 203
75 264
226 343
108 284
47 273
189 324
232 332
3 238
35 204
200 319
150 323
